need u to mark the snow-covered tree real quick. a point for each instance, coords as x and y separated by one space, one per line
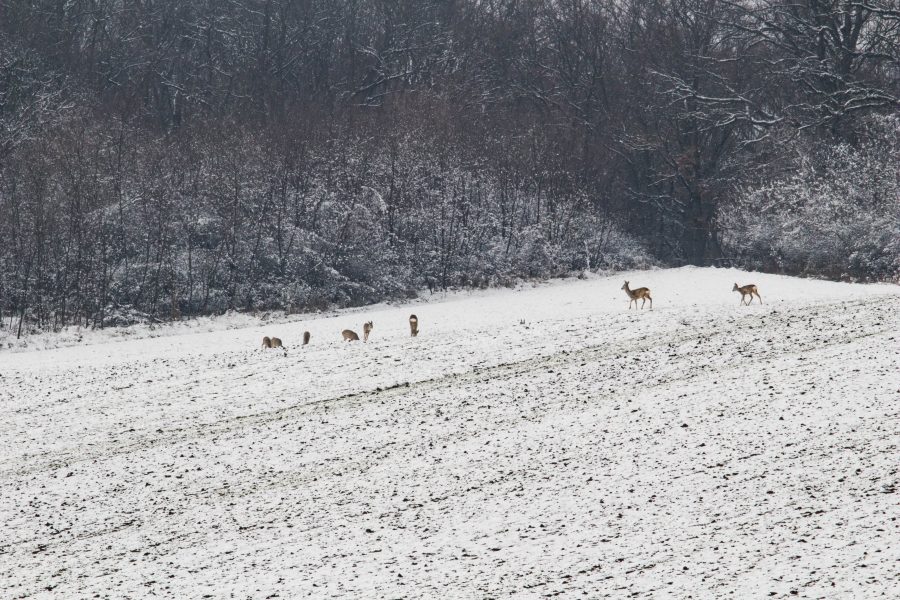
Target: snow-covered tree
836 214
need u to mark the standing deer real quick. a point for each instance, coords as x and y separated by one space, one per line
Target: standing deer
413 325
642 294
367 329
305 338
747 290
350 336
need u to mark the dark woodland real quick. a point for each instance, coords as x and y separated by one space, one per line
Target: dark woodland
165 158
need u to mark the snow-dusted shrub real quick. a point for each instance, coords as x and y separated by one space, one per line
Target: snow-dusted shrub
535 255
609 248
837 214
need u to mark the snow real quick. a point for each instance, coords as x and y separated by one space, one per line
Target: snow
701 449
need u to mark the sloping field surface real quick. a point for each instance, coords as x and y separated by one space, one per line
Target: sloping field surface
702 449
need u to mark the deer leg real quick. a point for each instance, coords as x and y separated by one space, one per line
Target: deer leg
651 302
643 302
759 298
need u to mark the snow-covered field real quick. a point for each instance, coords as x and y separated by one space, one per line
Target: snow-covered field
702 449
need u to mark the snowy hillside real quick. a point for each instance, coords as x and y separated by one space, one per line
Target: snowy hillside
702 449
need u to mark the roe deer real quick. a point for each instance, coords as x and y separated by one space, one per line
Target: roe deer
413 325
273 343
747 290
305 338
642 294
367 329
350 336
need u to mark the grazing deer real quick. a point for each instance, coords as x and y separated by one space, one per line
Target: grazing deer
350 336
367 329
642 294
413 325
305 338
273 343
747 290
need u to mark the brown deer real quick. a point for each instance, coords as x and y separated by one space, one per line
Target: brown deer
642 294
305 338
747 290
273 343
367 329
350 336
413 325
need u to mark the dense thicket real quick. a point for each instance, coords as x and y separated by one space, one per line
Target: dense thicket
168 158
837 214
